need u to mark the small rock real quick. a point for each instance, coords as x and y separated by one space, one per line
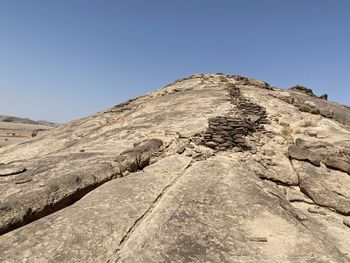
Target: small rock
218 139
237 149
324 97
316 210
125 173
258 239
268 152
237 136
238 140
191 146
211 144
299 215
268 161
280 140
326 113
312 133
212 122
135 144
181 149
253 150
196 155
189 152
271 135
225 144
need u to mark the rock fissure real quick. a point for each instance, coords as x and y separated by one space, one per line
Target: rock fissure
8 170
295 171
52 207
332 208
276 181
131 160
309 195
140 219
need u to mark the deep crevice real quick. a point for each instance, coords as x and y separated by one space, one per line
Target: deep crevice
136 159
276 181
51 209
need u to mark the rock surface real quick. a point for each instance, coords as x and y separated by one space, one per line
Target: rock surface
212 168
316 151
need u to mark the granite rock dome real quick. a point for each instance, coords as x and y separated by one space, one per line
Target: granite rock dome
212 168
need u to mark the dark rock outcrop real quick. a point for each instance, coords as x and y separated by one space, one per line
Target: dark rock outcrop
324 97
302 89
318 106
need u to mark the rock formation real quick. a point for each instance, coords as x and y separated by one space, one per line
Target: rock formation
211 168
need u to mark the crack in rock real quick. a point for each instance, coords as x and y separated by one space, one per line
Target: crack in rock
8 169
67 189
139 220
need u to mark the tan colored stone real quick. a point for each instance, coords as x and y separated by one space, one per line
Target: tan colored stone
113 187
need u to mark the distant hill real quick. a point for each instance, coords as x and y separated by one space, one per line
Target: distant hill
15 130
4 118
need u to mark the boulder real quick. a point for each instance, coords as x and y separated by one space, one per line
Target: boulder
319 151
325 187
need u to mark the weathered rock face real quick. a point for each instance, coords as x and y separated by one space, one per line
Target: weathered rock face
212 168
315 105
317 152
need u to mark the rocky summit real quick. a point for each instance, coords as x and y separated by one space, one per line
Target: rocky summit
212 168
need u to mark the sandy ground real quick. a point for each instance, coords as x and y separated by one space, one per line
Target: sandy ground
11 133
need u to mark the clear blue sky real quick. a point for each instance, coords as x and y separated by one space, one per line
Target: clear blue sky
61 60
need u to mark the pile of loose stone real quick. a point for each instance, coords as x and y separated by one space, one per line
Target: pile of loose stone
225 78
227 132
248 109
